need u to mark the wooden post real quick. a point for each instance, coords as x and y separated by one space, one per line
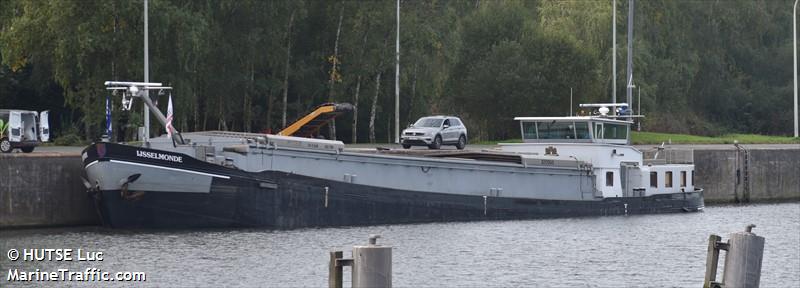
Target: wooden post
745 250
711 260
335 270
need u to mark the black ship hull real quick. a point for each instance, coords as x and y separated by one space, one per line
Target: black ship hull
298 201
280 200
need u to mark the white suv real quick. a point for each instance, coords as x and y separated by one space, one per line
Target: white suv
435 131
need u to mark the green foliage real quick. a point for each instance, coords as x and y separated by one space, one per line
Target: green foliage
3 128
639 138
514 69
703 67
71 139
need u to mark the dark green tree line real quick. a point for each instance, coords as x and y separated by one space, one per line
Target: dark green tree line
704 67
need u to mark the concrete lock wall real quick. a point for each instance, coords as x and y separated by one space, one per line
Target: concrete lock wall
774 175
43 190
748 175
715 172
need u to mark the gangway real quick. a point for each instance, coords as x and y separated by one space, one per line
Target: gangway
309 125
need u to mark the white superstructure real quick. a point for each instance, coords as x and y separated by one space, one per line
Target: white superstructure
603 142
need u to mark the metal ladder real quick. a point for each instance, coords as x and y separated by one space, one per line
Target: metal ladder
746 176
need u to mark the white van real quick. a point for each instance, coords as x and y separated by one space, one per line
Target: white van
23 129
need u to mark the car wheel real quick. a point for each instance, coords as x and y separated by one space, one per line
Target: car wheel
462 142
5 146
27 149
437 142
406 146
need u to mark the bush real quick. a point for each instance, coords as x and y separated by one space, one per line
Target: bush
70 139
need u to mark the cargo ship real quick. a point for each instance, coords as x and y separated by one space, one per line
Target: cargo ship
565 167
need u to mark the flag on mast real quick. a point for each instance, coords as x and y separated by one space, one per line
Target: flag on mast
169 117
108 117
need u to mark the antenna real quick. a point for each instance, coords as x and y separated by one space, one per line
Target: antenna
570 101
590 105
131 90
604 108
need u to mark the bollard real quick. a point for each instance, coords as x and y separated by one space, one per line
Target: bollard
372 265
743 259
744 252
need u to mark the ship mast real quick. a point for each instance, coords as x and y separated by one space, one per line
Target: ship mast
630 85
397 79
614 54
146 78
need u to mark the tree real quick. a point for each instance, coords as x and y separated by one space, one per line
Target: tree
702 67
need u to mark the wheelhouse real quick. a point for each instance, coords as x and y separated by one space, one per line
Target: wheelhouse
574 130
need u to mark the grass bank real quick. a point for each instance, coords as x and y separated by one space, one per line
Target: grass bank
658 138
643 138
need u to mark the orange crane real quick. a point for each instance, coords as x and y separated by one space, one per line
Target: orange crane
309 125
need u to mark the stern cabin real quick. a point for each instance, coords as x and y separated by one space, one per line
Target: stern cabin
604 143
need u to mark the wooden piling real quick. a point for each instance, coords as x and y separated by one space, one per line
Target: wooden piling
744 252
335 270
712 260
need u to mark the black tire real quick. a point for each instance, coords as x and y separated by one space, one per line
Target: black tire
5 146
437 142
27 149
462 142
406 146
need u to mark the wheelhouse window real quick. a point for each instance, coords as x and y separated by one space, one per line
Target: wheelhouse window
668 179
598 131
582 130
654 179
556 130
615 131
692 183
683 178
609 179
529 130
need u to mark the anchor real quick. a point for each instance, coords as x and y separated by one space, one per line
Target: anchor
127 195
93 191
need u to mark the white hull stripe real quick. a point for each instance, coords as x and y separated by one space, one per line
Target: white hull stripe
168 168
90 164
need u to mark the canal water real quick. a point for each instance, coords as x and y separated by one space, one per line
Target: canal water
667 250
